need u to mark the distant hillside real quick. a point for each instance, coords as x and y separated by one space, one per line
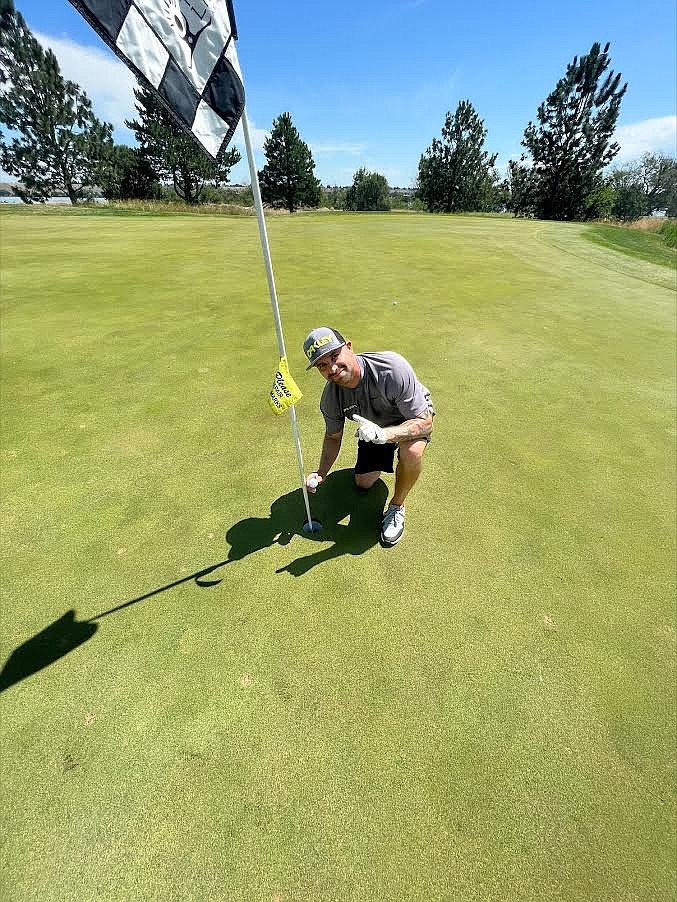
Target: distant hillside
7 190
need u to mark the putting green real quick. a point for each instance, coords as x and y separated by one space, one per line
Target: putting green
485 712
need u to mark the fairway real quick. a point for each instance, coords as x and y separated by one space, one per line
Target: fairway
484 713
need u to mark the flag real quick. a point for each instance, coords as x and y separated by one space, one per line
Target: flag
184 50
285 391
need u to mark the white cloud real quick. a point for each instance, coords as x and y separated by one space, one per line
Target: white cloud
393 175
352 149
258 136
107 82
650 136
502 166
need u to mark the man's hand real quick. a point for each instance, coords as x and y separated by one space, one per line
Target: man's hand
370 432
313 481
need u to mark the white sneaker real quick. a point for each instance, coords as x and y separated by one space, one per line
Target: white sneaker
392 527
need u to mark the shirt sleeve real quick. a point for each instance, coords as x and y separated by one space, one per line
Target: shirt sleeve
331 409
405 391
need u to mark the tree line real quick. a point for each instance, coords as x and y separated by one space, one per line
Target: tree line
59 146
563 173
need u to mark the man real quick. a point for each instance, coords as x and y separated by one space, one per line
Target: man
381 393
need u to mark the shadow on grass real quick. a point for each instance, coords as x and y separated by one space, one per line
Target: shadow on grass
67 633
336 500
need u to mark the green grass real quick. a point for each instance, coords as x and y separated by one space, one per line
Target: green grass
485 712
668 232
654 246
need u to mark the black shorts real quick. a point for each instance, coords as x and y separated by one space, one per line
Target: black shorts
371 457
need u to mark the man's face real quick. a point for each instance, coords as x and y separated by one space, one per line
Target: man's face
340 366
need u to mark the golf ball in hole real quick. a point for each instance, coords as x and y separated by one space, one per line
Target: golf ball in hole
313 482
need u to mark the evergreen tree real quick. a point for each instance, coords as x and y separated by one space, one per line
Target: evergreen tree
61 145
7 16
369 191
288 180
521 187
453 173
129 176
571 144
174 154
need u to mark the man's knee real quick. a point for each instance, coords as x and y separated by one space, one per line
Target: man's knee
412 452
366 480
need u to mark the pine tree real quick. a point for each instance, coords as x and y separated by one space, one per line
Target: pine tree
572 142
287 179
173 154
453 173
129 176
60 145
7 15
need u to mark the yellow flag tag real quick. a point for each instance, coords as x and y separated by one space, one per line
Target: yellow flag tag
285 391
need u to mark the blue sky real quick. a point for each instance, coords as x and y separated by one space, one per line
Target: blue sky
369 83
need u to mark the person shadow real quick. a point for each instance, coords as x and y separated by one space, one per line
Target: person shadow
337 500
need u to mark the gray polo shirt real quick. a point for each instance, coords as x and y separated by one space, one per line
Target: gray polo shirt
387 394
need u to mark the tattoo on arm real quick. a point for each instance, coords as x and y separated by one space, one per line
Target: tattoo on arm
420 427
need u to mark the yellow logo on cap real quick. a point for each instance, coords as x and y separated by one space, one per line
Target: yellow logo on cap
317 344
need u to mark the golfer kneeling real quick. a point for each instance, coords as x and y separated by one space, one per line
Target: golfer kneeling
391 408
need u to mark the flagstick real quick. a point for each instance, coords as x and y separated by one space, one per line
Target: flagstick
311 525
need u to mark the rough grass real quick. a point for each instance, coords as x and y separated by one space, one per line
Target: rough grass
646 224
669 232
115 207
164 207
653 244
485 712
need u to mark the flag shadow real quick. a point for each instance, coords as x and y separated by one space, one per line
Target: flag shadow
336 500
67 633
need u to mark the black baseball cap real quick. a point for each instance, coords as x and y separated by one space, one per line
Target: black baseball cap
321 341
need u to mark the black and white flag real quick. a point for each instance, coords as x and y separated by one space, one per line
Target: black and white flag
185 51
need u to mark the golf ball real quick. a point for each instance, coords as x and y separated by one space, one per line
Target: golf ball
313 482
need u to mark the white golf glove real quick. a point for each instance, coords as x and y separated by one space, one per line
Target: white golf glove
370 432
